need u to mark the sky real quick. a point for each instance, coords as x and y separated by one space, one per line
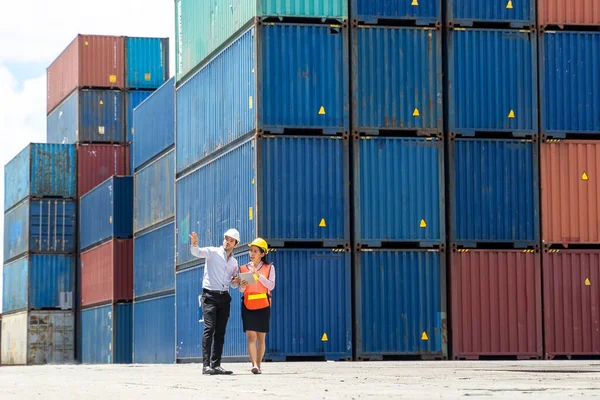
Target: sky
34 32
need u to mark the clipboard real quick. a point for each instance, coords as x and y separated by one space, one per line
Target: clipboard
248 277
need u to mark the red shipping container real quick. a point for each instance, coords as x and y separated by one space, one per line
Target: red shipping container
496 304
570 192
107 273
572 303
571 12
88 61
98 162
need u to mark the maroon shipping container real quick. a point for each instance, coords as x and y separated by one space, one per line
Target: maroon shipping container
98 162
107 273
496 304
572 303
570 192
568 12
89 61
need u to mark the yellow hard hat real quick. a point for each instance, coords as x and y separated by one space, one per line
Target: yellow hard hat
261 243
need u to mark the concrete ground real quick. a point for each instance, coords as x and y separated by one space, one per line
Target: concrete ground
410 380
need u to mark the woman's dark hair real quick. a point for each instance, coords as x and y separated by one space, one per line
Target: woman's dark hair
264 256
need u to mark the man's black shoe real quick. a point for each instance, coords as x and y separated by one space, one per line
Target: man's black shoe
208 371
220 371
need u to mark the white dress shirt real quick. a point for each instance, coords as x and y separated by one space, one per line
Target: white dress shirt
219 270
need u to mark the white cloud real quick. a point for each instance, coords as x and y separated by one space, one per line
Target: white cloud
35 32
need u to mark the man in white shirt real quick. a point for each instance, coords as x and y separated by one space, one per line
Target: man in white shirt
220 272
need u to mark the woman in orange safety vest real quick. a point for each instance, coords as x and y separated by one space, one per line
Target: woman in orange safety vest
256 304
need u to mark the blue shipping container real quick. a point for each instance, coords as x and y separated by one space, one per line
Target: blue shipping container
492 77
147 62
88 116
40 170
391 94
40 226
132 100
569 84
37 282
154 200
399 191
107 334
494 191
517 13
154 261
106 212
154 331
400 300
271 78
283 189
189 317
154 124
423 12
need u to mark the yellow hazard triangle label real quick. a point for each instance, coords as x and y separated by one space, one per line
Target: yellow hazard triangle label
509 5
101 102
322 224
423 224
587 282
424 336
511 114
324 338
416 113
322 110
585 177
414 3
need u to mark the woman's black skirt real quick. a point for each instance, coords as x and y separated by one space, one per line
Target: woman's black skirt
256 320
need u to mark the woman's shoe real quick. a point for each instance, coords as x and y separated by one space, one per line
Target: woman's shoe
259 371
255 370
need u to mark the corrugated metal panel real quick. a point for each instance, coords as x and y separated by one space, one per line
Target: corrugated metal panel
36 338
492 81
154 199
570 192
154 331
300 185
132 100
107 273
401 304
574 12
62 124
390 93
189 316
571 299
496 304
106 212
154 124
399 190
154 261
40 226
89 61
423 11
306 309
147 62
98 162
40 170
519 13
15 287
494 191
106 334
203 28
296 88
569 87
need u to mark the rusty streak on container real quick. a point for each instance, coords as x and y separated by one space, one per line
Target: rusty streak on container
496 304
570 192
98 162
571 12
571 303
88 61
107 273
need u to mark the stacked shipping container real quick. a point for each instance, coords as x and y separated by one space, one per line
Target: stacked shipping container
570 126
493 148
39 256
154 228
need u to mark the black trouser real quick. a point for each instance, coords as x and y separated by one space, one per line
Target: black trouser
215 311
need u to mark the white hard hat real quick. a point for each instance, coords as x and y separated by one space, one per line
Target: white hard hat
233 233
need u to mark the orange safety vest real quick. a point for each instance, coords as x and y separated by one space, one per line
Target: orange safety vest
257 296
